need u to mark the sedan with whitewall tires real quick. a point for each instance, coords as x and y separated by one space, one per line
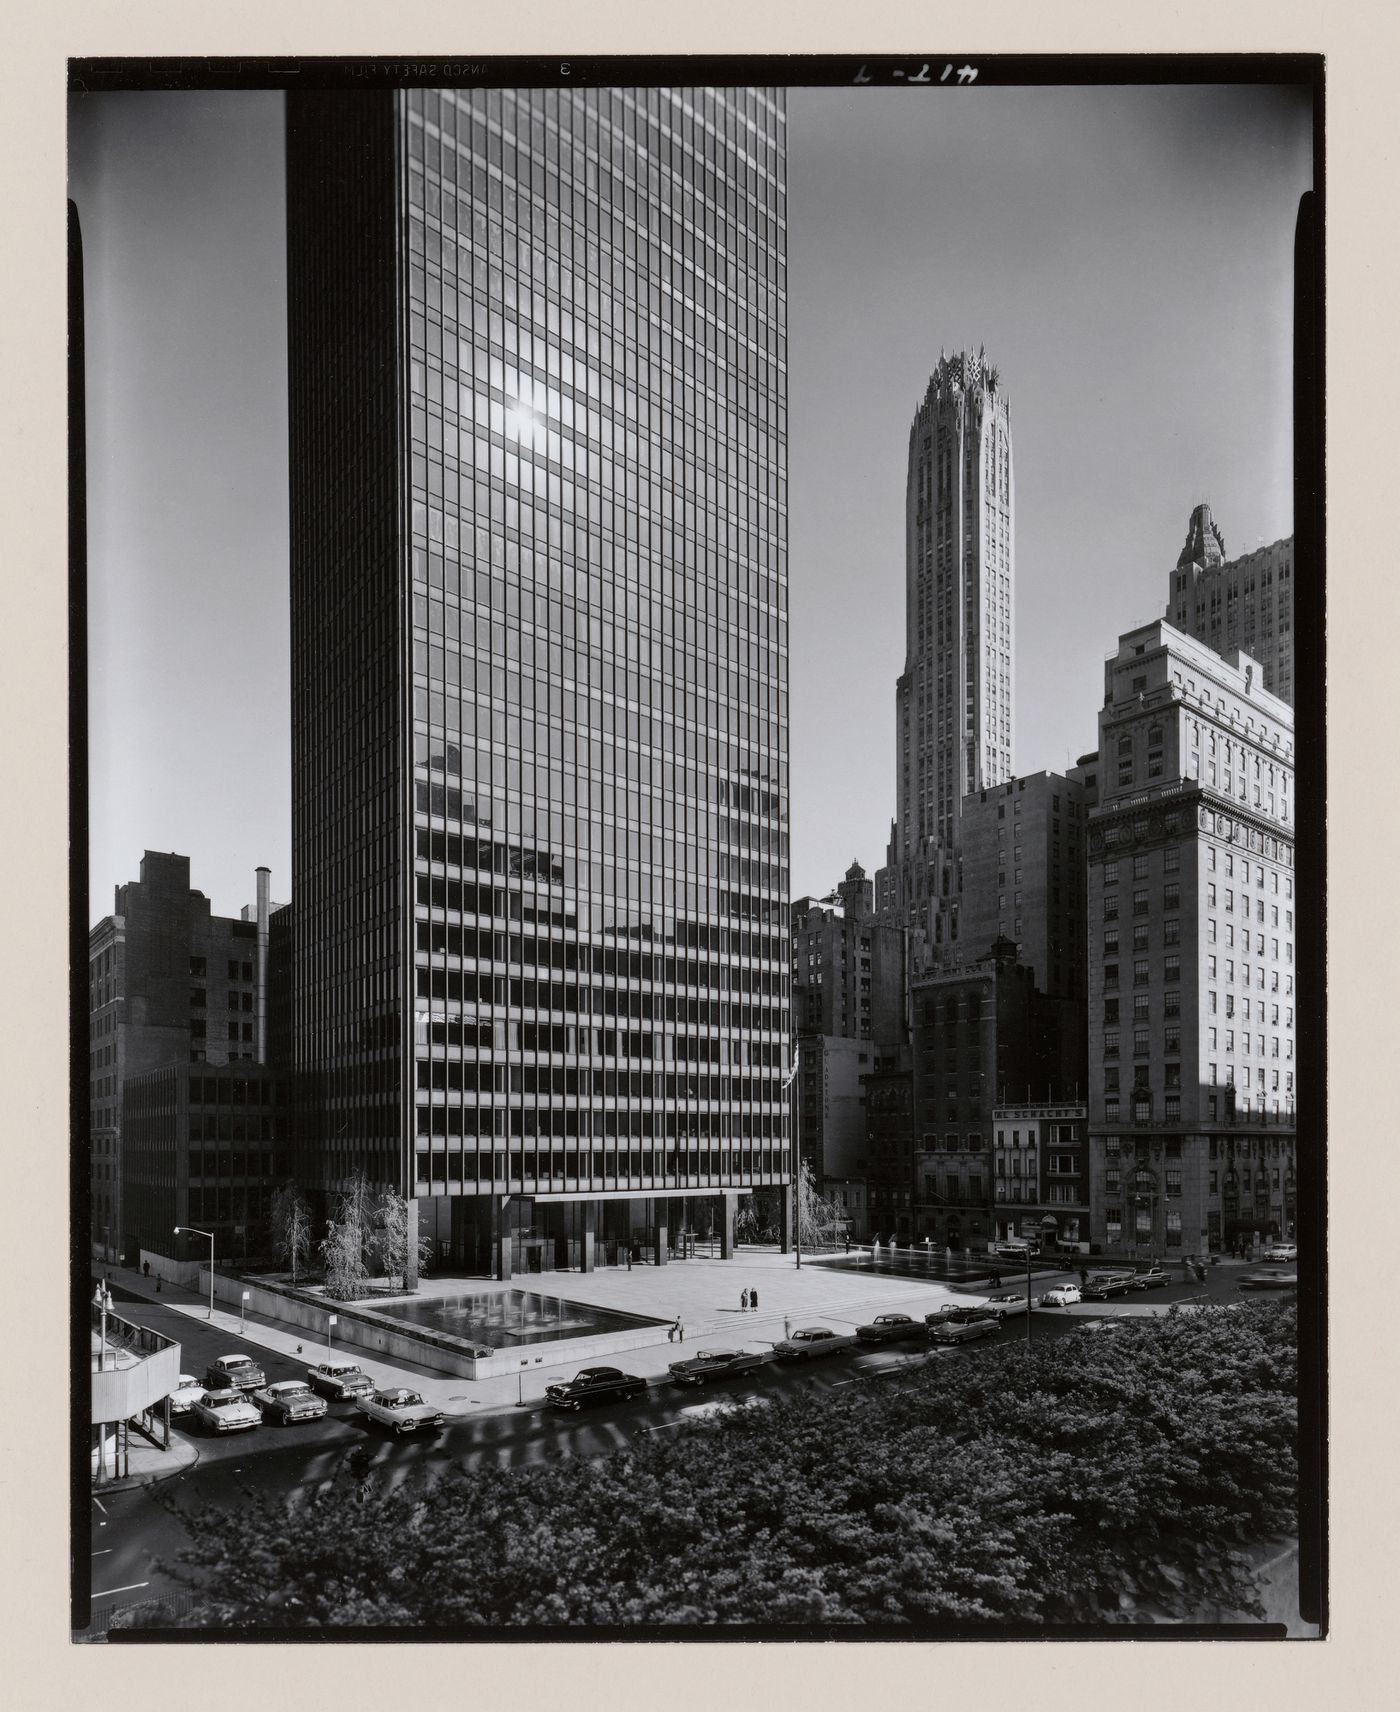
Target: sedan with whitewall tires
400 1410
226 1412
289 1401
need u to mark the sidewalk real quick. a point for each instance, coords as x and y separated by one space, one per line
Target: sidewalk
147 1463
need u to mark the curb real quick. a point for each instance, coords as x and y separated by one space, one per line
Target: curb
133 1482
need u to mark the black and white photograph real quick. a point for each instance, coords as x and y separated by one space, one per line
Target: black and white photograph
699 890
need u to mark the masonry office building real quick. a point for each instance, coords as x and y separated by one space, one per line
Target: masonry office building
539 659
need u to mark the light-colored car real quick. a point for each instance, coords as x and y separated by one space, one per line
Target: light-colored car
401 1410
812 1341
188 1390
1280 1251
238 1370
1269 1278
226 1411
1008 1302
1062 1296
708 1364
1113 1324
962 1331
290 1400
341 1381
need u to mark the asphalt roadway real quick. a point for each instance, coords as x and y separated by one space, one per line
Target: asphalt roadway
138 1533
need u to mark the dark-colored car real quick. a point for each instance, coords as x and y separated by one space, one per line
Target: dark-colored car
240 1372
1105 1285
1150 1278
594 1385
341 1381
963 1331
708 1364
958 1313
889 1328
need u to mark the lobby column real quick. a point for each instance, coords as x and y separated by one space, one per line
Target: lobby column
730 1203
410 1265
785 1195
500 1237
588 1236
662 1252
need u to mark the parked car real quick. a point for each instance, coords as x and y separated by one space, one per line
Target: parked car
227 1411
594 1385
341 1381
1280 1251
290 1400
958 1312
708 1364
188 1390
236 1370
1013 1250
1106 1284
811 1342
1150 1278
889 1328
1061 1296
1008 1302
401 1410
962 1331
1269 1278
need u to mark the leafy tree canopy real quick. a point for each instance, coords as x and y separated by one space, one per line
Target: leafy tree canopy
1060 1484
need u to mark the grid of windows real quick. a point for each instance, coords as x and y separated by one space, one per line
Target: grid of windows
590 317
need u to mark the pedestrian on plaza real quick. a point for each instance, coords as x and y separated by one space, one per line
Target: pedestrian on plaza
670 1334
743 1301
848 1245
1083 1276
995 1280
1200 1273
157 1286
680 1330
146 1267
753 1301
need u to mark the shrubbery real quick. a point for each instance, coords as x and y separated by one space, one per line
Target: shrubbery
1052 1485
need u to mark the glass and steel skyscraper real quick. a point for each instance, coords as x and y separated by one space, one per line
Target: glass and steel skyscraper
539 656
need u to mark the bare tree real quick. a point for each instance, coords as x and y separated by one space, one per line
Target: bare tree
819 1217
391 1236
347 1239
291 1227
343 1255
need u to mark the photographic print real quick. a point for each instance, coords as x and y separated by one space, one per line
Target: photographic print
702 923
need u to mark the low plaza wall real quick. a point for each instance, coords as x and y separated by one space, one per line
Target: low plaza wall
358 1327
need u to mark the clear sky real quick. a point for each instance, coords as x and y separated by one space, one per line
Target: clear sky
1125 256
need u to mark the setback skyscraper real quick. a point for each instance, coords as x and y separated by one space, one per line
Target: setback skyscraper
1244 603
955 701
539 640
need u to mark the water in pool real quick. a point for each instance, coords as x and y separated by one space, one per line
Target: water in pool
505 1319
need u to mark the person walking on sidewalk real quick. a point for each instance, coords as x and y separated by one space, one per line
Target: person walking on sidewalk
753 1301
146 1268
670 1334
743 1301
680 1330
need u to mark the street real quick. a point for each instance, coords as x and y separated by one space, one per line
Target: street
136 1538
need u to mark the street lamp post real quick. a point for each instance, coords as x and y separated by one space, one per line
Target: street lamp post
191 1231
102 1301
